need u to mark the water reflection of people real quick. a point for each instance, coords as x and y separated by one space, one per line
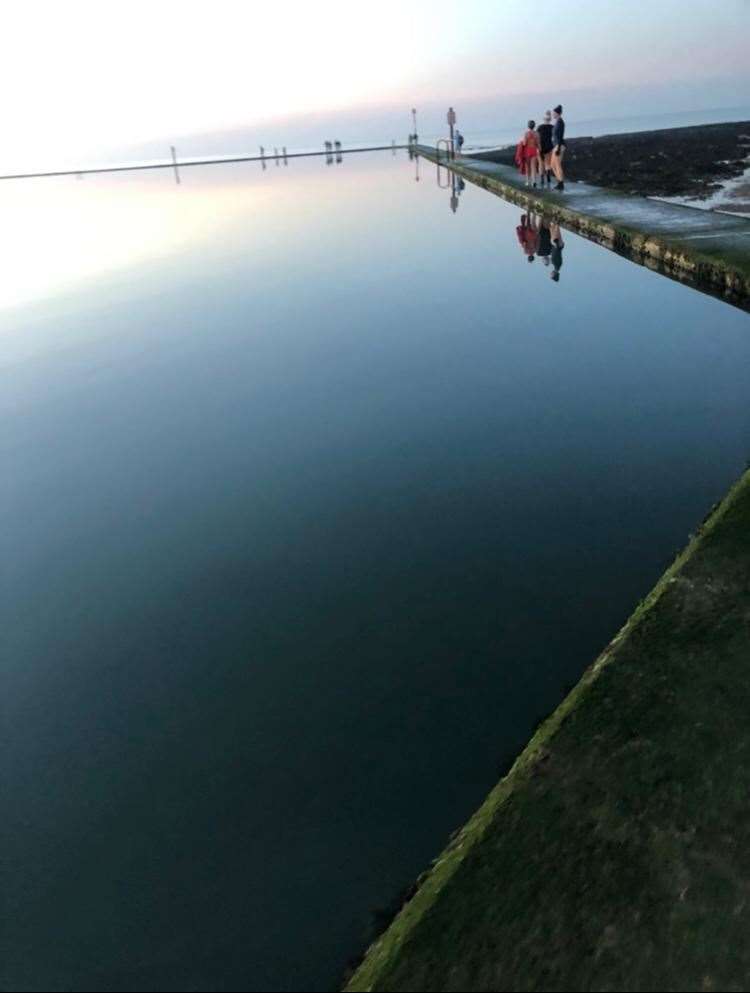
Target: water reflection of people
556 251
540 236
528 235
457 188
544 247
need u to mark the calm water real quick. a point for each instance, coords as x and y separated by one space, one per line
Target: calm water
318 496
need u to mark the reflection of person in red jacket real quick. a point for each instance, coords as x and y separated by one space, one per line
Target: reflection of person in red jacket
527 233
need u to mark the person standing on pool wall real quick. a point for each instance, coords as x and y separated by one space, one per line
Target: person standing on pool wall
545 148
558 150
529 146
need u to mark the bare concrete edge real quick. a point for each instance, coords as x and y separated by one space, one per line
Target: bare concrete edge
670 256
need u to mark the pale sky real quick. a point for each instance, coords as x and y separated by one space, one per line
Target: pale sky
81 76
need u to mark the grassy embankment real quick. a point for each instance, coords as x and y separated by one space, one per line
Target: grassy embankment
615 855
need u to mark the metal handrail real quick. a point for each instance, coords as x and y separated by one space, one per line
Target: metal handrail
448 147
448 155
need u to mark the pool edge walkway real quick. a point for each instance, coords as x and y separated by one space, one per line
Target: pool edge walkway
616 852
707 248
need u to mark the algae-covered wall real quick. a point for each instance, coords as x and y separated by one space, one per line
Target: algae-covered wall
616 853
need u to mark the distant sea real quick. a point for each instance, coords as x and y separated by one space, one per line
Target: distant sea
365 129
592 127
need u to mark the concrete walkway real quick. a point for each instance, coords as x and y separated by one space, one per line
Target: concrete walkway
708 248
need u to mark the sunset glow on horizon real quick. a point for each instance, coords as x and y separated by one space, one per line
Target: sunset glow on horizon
87 78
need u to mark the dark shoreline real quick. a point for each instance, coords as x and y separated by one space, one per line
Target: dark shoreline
689 161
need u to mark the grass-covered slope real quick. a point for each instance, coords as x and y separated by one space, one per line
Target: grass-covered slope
616 853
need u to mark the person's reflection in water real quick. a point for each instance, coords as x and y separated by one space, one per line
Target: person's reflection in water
544 246
528 235
556 251
457 188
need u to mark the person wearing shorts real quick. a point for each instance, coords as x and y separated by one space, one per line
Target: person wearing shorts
558 147
530 151
545 147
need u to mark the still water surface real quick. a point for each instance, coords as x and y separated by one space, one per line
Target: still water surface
318 496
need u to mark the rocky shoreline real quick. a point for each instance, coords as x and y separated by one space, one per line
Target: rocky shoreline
691 162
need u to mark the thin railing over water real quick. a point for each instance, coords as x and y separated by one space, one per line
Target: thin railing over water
173 163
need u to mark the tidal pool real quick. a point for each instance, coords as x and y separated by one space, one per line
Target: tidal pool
318 496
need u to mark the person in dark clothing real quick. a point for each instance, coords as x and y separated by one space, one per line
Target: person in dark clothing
558 150
545 147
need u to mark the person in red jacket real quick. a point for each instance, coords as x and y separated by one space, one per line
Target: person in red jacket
531 154
521 158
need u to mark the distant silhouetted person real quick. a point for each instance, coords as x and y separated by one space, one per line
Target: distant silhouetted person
459 141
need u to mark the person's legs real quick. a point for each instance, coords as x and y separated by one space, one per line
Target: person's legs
556 165
547 169
560 158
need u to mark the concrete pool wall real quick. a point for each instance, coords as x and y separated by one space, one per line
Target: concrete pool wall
616 853
707 248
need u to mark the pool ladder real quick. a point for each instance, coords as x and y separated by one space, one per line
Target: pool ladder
448 155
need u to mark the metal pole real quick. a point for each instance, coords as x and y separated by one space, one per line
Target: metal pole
414 121
174 163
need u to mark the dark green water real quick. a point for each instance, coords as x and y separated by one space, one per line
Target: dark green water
316 498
